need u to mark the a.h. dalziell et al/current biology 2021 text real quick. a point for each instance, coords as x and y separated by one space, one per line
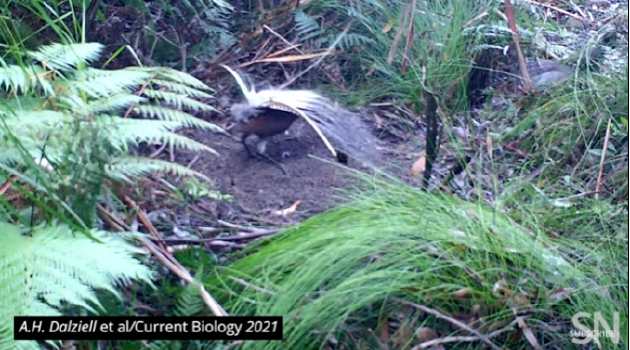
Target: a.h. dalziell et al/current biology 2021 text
148 328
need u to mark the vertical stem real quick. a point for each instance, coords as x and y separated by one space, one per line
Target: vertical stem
432 147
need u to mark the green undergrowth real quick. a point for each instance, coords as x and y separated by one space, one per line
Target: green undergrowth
566 132
336 274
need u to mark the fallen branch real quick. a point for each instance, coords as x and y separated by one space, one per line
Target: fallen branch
455 322
462 339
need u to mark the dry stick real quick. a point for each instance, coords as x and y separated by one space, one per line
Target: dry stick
254 230
144 219
410 35
158 151
429 343
521 61
398 36
319 60
225 239
453 321
287 42
169 261
560 10
527 333
112 220
602 159
158 254
291 46
182 273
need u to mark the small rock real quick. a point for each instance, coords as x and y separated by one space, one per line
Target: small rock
575 23
545 72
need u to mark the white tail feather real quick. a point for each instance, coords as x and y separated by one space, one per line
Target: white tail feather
249 93
298 99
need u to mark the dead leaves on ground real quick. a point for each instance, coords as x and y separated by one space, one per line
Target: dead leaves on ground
288 211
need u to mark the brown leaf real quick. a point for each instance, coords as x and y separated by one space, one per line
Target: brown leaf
461 293
289 210
501 290
425 334
402 337
529 335
560 294
520 301
387 27
384 330
418 166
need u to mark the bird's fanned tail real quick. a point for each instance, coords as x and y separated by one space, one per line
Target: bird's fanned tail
345 129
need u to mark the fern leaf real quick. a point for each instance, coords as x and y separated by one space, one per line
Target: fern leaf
100 83
126 167
55 265
66 57
181 88
177 100
306 27
22 80
110 104
186 120
171 75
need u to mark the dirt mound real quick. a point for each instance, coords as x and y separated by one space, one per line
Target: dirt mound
258 187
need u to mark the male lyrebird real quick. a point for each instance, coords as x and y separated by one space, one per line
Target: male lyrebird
272 111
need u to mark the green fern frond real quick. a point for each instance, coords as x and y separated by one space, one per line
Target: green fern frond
173 75
52 265
100 83
178 101
189 303
113 103
53 110
125 167
306 27
21 81
67 57
181 88
185 119
351 40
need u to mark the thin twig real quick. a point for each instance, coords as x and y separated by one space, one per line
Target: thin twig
329 51
244 237
158 151
455 322
182 273
429 343
170 263
509 10
602 159
249 285
254 230
560 10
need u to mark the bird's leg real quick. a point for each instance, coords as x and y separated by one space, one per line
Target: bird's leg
261 146
247 145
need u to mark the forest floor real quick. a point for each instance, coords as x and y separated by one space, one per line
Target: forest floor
260 189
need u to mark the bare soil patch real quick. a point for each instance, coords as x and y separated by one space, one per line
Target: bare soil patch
259 188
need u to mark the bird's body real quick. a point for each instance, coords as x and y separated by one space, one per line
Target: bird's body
266 122
257 125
